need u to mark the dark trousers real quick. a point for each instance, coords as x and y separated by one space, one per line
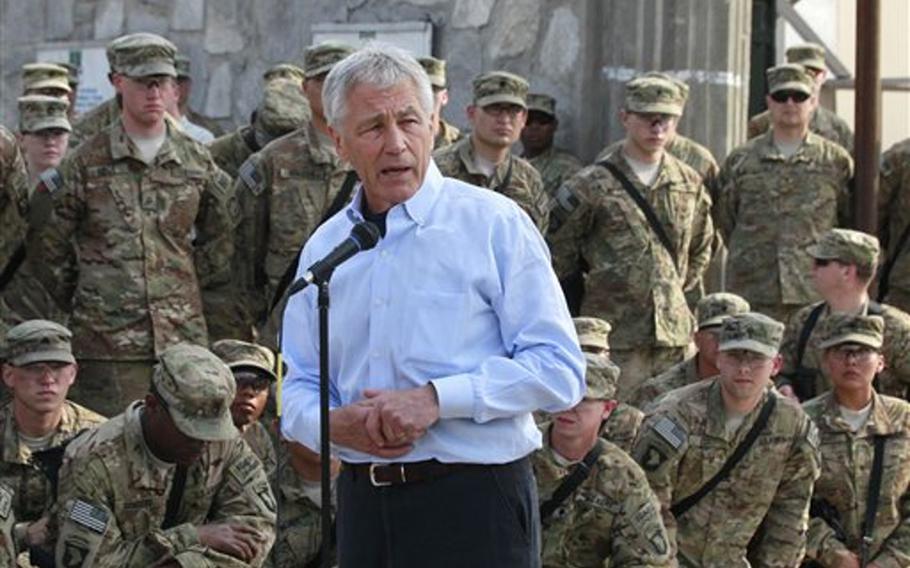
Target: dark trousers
474 517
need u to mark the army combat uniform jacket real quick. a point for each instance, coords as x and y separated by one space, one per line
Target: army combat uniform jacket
622 426
13 197
113 497
679 375
448 134
555 166
524 188
612 519
232 149
894 219
685 441
150 238
689 151
844 481
631 280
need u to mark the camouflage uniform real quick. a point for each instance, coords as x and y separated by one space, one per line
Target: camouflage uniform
824 123
447 135
299 522
685 149
150 238
94 121
554 165
7 522
112 504
622 426
765 498
612 519
894 218
258 439
13 197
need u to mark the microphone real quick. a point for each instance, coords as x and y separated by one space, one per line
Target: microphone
364 236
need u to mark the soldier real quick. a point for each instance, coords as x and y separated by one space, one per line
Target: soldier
621 421
860 515
254 373
13 206
484 158
712 506
179 441
611 516
638 272
39 369
777 194
149 215
48 79
201 128
844 263
444 132
894 225
710 313
555 165
282 110
104 114
285 192
43 132
823 122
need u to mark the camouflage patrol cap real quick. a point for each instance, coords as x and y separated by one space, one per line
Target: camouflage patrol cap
847 246
713 309
751 331
144 54
197 389
542 103
39 112
72 70
436 70
500 87
283 108
240 354
789 77
654 95
45 76
36 341
319 59
283 71
679 83
182 65
601 377
809 55
843 328
592 332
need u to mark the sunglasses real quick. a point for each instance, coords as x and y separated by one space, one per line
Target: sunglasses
822 262
795 96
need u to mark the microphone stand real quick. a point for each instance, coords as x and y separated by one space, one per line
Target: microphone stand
325 460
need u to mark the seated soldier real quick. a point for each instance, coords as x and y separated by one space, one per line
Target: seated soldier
855 422
610 516
253 367
38 372
169 482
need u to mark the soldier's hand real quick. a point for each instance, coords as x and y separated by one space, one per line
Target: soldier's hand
239 541
401 416
348 427
36 533
845 559
787 391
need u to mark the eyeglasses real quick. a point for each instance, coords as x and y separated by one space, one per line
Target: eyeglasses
795 96
656 119
35 371
860 353
499 109
747 358
258 384
147 83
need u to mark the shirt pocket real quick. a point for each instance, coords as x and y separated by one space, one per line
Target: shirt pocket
435 325
176 201
112 205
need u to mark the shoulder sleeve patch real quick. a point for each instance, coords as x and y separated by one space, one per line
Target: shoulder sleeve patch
6 501
242 470
671 432
249 175
89 516
52 180
566 199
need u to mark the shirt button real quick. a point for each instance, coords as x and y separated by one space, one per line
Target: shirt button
377 302
384 253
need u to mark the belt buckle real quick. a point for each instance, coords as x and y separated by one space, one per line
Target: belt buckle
376 482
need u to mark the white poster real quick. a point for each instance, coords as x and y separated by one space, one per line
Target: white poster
94 87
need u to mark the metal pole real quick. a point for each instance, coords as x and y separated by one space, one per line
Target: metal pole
868 115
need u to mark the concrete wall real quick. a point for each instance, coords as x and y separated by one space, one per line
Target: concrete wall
580 51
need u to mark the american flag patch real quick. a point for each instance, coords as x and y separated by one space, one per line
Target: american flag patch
51 179
89 516
671 432
250 177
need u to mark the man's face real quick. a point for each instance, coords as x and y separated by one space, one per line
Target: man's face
498 125
852 367
744 374
174 446
537 135
145 99
440 99
790 109
251 398
184 87
387 137
706 340
39 387
649 132
583 419
312 89
45 148
827 276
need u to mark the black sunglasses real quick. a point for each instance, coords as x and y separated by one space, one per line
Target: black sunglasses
784 96
821 262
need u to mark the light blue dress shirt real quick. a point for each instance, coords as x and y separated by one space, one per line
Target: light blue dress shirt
459 293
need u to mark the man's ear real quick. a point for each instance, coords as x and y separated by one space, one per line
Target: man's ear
339 145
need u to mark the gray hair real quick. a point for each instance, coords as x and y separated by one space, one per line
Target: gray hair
382 66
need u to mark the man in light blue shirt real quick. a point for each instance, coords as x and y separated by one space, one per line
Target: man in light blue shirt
444 338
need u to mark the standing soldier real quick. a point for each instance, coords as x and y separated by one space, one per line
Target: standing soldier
555 165
13 205
860 504
444 133
609 515
894 226
642 231
43 133
732 461
484 158
106 113
149 216
777 194
823 122
285 192
843 265
39 370
73 80
710 314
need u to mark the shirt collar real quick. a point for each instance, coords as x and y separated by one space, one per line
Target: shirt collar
417 207
122 147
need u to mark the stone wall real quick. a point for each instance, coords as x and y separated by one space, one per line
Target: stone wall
580 51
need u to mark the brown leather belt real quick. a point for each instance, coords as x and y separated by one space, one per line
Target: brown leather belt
385 474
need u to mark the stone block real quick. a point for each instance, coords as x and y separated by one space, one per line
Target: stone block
219 95
60 23
21 23
222 34
188 15
514 29
148 16
561 44
472 13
